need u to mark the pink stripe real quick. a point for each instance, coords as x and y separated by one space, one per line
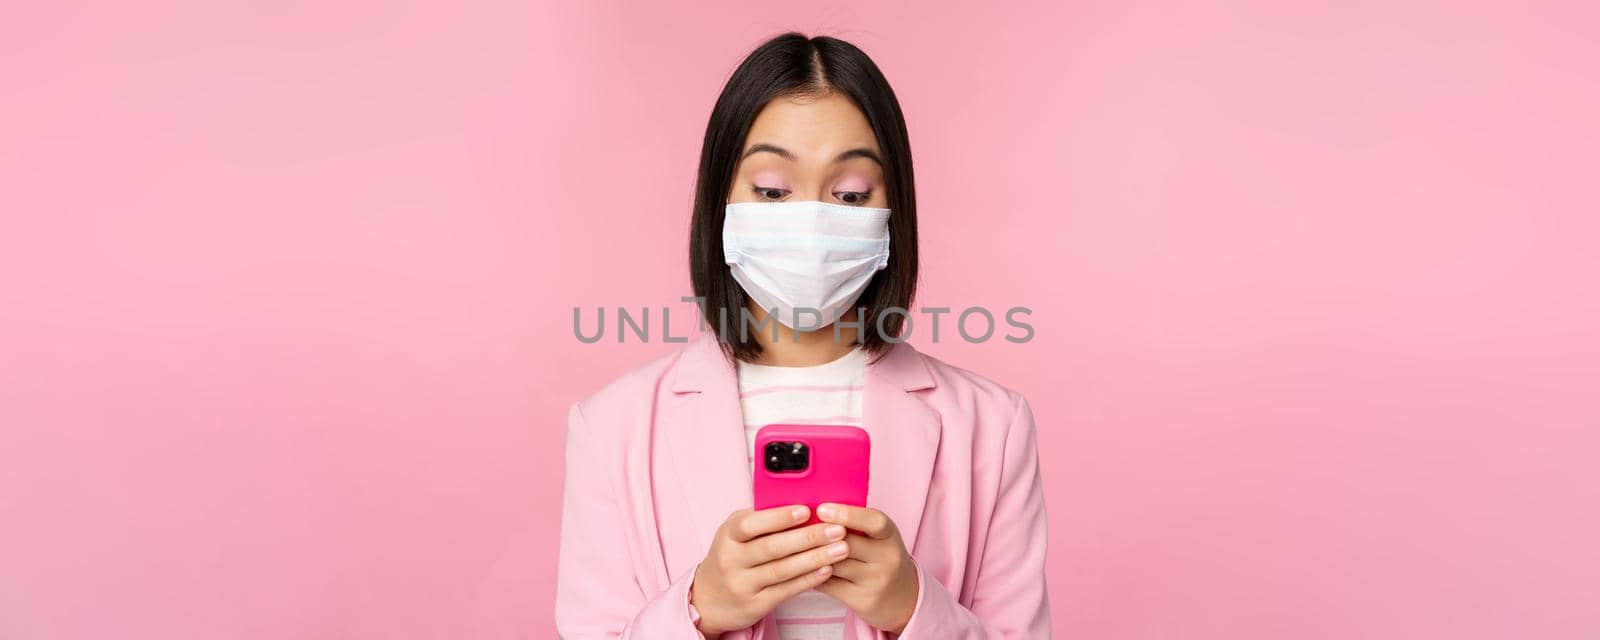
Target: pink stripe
827 420
837 620
818 388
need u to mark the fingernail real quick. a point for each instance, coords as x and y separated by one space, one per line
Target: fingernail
797 513
833 532
838 549
825 570
825 511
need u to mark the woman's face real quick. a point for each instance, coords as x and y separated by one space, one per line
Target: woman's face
810 148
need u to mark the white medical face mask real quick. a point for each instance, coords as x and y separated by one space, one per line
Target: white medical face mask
809 256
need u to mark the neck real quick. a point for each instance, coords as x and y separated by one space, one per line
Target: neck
801 348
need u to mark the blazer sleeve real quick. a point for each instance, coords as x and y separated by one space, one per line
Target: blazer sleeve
598 594
1009 599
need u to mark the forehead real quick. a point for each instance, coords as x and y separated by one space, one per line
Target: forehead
817 127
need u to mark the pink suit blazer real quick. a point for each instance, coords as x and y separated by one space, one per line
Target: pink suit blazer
655 461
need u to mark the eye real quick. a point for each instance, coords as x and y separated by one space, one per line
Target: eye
770 193
853 197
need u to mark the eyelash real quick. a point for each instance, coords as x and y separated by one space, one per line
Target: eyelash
864 196
762 192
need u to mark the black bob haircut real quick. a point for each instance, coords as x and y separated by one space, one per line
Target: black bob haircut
791 65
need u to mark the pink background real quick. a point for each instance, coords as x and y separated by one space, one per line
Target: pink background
286 345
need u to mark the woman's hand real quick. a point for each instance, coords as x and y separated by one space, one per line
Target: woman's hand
757 561
878 581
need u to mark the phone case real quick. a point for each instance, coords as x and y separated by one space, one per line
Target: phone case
837 472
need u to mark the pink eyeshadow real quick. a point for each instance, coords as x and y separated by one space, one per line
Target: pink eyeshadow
769 180
853 184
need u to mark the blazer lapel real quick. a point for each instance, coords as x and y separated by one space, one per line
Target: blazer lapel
705 437
905 438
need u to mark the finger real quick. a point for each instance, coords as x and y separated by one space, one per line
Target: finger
842 590
787 543
863 548
799 564
872 522
746 525
795 586
851 570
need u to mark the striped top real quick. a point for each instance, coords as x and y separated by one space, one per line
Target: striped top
829 393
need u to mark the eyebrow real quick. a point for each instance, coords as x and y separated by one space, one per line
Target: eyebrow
859 152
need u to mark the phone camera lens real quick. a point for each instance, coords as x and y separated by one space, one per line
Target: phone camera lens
787 457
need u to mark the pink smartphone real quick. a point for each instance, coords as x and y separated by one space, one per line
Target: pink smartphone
811 464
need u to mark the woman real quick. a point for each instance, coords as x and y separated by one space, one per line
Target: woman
804 217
